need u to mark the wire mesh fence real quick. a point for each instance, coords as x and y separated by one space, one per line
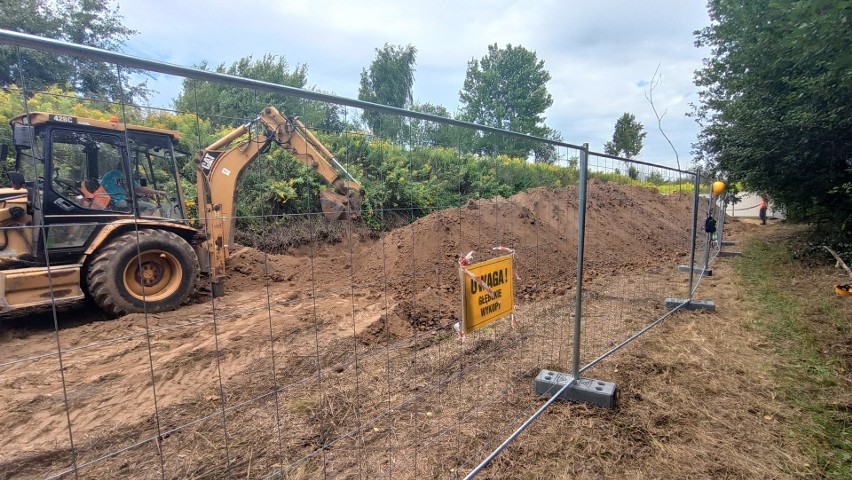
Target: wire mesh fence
625 284
333 352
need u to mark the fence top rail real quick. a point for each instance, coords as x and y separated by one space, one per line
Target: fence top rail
640 162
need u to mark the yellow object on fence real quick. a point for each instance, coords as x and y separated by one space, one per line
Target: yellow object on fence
487 292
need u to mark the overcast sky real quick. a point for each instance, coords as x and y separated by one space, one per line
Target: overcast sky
600 54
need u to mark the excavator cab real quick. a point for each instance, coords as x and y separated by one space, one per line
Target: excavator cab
80 175
94 207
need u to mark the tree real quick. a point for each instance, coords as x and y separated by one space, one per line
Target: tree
507 89
433 133
627 138
93 23
627 141
776 108
228 105
389 81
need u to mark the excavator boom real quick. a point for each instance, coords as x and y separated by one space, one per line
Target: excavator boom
219 172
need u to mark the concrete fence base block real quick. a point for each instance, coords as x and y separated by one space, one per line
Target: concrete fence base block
685 268
703 305
728 243
586 390
724 253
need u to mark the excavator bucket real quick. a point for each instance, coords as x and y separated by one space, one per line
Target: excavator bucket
339 207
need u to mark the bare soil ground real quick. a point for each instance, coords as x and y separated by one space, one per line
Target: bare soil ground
340 361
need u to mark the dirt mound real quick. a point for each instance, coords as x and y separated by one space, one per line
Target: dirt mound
627 228
414 267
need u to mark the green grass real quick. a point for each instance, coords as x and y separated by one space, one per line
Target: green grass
801 324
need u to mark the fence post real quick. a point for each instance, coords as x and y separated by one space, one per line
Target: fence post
723 214
581 238
573 387
690 303
696 184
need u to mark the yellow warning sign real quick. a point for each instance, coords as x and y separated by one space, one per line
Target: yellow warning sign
479 307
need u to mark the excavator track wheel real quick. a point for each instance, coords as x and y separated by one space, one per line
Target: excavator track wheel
157 275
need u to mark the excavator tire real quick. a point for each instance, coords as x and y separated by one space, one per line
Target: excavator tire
168 274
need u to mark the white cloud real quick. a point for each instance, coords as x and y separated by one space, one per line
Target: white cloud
598 53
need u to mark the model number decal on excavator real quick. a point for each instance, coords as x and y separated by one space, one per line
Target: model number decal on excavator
63 118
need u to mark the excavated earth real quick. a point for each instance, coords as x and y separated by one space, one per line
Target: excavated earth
305 307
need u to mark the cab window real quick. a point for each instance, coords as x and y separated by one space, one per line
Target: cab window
30 162
153 168
88 171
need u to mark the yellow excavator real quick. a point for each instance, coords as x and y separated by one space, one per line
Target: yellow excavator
96 209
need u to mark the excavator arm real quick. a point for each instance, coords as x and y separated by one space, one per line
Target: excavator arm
219 169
